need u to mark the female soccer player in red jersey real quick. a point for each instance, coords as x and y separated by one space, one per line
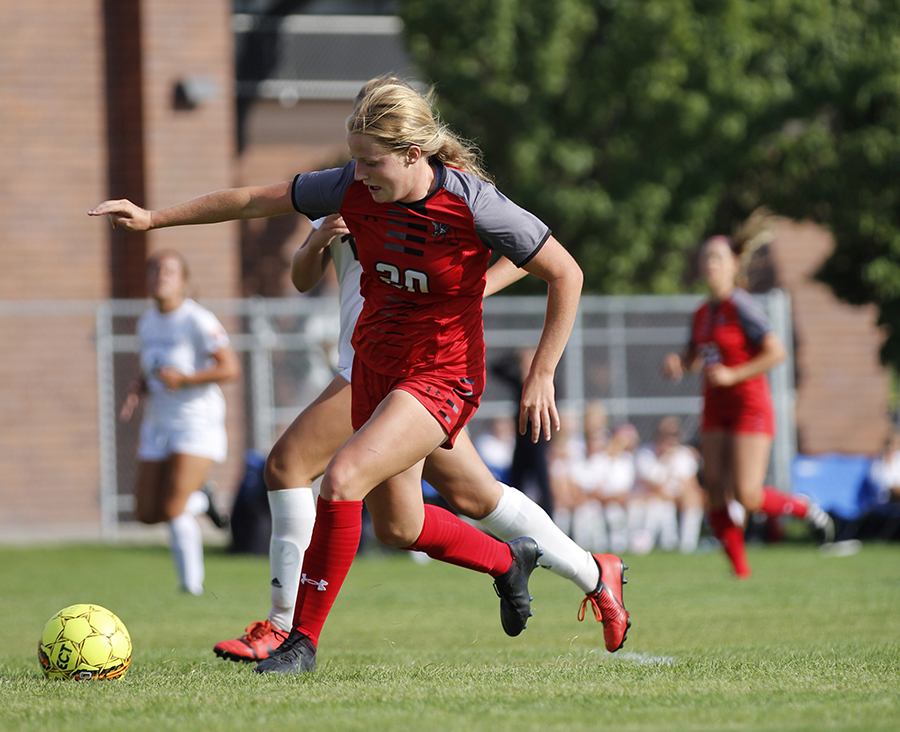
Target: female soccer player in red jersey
732 341
424 219
302 453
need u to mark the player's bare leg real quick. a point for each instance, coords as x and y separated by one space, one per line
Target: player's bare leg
383 462
465 482
169 490
751 462
299 456
717 449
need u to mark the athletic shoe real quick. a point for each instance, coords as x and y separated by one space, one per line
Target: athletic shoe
218 515
257 643
820 522
512 586
607 603
296 655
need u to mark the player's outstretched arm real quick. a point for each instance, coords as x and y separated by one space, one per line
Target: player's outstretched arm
226 205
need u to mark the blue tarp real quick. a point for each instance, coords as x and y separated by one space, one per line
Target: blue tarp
838 483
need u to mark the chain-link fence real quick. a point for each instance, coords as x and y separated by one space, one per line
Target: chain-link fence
288 348
613 355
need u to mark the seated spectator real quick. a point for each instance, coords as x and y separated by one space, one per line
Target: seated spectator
595 422
606 477
885 471
496 445
566 496
667 510
618 487
585 474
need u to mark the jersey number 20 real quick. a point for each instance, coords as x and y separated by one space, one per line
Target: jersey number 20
411 280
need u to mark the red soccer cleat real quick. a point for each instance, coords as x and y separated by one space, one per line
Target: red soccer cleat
606 601
259 640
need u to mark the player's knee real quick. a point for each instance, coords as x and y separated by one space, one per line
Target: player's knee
169 511
394 536
342 481
148 514
275 471
285 469
751 500
471 506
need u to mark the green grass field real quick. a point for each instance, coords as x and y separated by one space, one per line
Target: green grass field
810 643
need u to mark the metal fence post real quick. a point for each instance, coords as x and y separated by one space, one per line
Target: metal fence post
262 397
781 378
106 386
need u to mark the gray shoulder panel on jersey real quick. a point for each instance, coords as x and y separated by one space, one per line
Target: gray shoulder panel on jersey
753 318
501 224
321 193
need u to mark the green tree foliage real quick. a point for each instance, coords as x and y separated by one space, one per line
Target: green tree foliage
636 128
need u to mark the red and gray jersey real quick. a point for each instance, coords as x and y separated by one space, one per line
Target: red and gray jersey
423 265
731 332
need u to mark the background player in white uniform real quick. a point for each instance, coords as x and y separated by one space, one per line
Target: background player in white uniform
303 451
185 353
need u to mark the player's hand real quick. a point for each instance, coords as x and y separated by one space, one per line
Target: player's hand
172 378
719 375
538 405
128 406
330 227
672 367
123 213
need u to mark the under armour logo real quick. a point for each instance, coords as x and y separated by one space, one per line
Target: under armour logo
320 584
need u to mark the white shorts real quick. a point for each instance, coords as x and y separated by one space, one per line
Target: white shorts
346 374
160 440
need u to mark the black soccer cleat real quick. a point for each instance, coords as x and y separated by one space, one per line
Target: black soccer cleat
218 515
512 586
296 655
821 524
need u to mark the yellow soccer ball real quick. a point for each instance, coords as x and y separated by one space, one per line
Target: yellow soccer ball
84 642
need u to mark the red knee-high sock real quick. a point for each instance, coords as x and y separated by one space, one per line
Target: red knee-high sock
331 550
732 539
445 537
776 503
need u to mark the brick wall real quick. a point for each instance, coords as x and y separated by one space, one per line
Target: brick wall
52 170
189 152
53 167
52 150
842 389
279 143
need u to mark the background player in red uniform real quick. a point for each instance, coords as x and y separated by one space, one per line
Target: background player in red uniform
732 341
424 218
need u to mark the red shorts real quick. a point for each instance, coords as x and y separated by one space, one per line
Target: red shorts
451 401
756 419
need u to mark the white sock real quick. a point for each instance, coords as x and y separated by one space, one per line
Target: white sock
197 503
691 524
562 517
589 527
293 516
187 552
517 515
617 523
